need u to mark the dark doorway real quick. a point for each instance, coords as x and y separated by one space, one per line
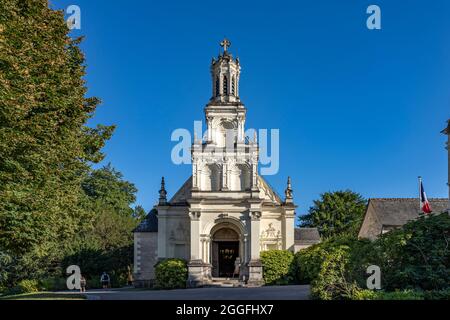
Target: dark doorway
228 253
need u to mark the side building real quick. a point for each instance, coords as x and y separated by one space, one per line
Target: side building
384 215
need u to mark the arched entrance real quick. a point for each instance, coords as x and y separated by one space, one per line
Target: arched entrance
225 250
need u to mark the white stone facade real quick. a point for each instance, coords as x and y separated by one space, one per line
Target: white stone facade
225 212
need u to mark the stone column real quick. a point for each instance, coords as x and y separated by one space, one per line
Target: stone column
162 233
225 175
209 119
197 274
254 176
287 228
195 235
255 267
194 176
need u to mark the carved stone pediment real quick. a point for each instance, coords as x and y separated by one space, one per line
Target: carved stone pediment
271 233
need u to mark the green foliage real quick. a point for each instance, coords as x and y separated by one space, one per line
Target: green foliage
437 294
336 213
26 286
401 295
106 185
334 281
93 262
382 295
308 262
278 267
414 263
171 274
139 213
45 146
52 284
54 210
418 255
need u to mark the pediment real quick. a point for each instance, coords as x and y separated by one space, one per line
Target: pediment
267 192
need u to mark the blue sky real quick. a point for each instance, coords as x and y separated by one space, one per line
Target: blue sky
356 108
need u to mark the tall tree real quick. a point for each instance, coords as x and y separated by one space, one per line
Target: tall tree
108 245
336 213
45 145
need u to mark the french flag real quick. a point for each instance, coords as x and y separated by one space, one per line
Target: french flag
424 203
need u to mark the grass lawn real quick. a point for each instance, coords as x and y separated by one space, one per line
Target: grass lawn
45 296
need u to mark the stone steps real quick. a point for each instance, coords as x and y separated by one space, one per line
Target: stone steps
224 283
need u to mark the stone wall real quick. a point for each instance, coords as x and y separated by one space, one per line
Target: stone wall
145 258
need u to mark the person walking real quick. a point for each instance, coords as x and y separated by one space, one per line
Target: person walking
129 277
82 284
105 280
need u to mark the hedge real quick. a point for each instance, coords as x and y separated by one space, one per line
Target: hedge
278 267
171 274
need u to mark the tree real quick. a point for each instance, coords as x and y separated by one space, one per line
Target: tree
108 244
45 146
139 213
336 213
107 186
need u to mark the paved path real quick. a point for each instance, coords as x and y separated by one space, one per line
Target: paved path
263 293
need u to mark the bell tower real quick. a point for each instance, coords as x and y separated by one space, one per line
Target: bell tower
225 72
225 159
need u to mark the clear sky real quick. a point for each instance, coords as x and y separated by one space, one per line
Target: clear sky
356 108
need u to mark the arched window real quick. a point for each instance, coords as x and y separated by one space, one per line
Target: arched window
225 85
233 86
217 86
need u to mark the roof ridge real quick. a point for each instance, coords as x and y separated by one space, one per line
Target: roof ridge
406 199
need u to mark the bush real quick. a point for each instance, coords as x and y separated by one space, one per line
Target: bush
53 284
414 262
401 295
417 256
25 286
278 267
171 274
308 262
437 295
382 295
334 280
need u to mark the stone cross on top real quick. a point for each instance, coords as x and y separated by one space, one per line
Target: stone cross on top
225 44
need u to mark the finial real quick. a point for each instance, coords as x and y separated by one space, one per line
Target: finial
225 44
288 191
163 193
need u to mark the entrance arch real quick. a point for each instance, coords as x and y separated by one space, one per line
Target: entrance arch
226 247
225 251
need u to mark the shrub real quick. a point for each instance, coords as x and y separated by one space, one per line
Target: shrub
52 284
437 295
307 263
383 295
334 281
417 256
361 254
25 286
171 274
278 267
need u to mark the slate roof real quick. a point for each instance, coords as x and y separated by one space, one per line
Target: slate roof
150 223
306 236
392 213
397 212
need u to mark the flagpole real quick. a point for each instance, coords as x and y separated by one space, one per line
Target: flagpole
420 193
